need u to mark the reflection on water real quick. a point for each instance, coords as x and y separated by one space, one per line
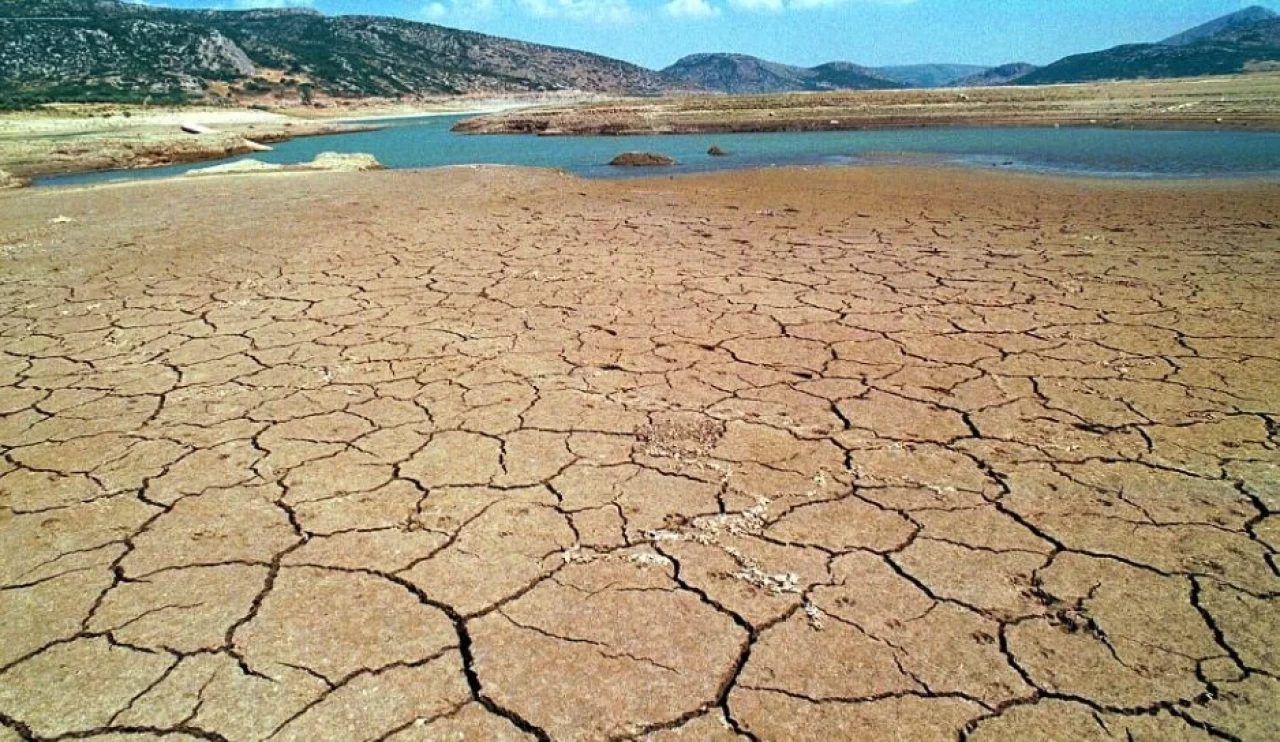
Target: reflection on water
427 142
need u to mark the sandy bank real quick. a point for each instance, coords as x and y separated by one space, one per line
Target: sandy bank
380 109
66 139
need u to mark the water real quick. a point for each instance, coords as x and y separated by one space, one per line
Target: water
427 142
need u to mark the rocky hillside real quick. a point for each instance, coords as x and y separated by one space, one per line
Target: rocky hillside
108 50
105 49
1232 48
739 73
1246 17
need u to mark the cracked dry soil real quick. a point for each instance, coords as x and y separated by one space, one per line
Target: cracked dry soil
498 454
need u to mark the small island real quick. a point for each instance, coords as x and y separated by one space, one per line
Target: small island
641 159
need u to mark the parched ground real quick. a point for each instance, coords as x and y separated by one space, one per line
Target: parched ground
498 454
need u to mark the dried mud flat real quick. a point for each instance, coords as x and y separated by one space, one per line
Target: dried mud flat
499 454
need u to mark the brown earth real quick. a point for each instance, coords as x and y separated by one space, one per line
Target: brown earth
500 454
1232 102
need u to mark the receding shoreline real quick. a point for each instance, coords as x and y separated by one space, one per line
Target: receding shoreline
64 139
83 139
923 162
1249 102
69 139
533 123
1083 178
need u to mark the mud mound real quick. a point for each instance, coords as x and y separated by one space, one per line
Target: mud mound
641 159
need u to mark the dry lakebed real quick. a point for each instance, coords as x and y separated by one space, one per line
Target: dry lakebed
501 454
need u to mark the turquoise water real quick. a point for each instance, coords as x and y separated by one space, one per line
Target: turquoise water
427 142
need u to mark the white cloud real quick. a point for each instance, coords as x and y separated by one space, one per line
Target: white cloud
591 11
461 13
690 9
758 6
583 11
232 4
472 7
777 6
247 4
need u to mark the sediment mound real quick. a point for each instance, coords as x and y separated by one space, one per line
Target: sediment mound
9 180
345 163
331 162
237 168
641 159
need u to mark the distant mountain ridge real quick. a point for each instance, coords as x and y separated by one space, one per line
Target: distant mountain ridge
929 75
740 73
1236 42
106 49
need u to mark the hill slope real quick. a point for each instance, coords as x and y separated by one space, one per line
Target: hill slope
63 49
739 73
1232 48
1245 17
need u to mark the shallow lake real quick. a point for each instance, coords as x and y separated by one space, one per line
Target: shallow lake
427 142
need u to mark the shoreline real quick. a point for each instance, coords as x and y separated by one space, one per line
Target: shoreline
509 127
402 116
877 169
107 138
354 119
190 158
1231 102
1062 177
72 140
1059 175
379 110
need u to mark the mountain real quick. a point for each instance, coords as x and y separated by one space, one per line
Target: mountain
110 50
929 75
1245 17
739 73
848 76
1233 47
1002 75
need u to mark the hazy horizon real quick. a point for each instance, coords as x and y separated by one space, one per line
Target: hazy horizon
655 33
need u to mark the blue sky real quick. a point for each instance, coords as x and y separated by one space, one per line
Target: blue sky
655 33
